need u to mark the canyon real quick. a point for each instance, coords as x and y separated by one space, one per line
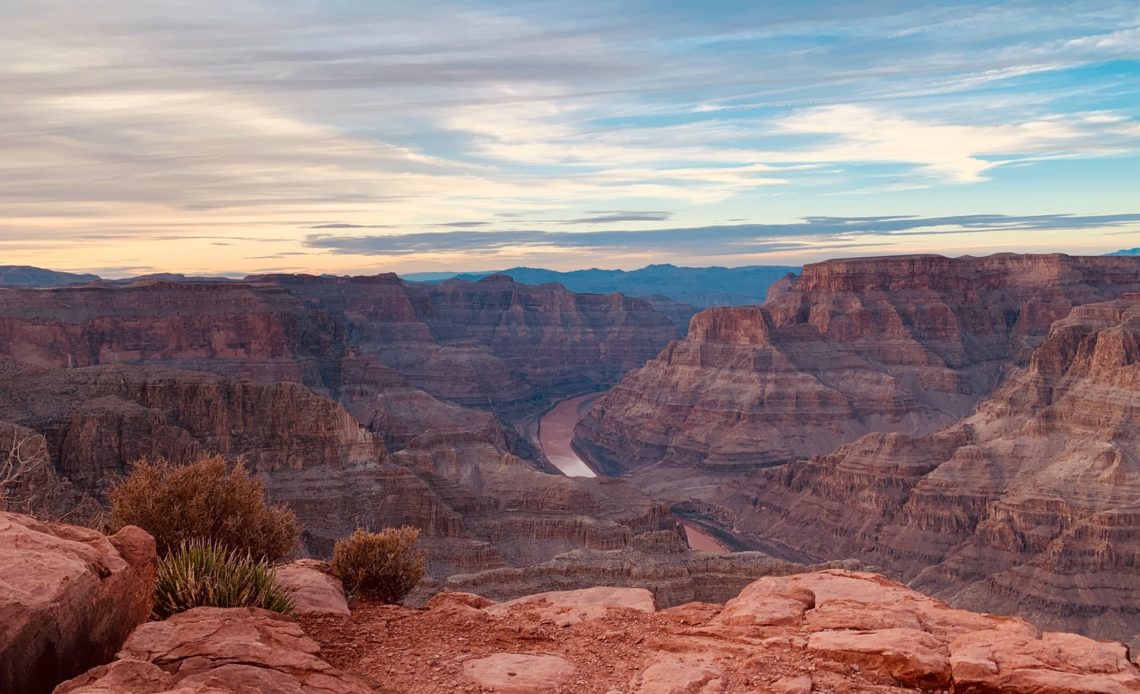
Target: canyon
358 400
967 426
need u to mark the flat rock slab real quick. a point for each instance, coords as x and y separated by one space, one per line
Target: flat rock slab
519 673
588 603
313 591
211 649
678 677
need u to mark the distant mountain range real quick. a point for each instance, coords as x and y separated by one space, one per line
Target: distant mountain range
28 276
1127 251
699 286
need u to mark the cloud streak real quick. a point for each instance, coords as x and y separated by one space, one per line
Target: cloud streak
713 240
147 127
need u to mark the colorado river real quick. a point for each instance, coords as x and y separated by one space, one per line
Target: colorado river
555 432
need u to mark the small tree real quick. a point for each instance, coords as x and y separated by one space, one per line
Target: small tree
387 564
204 500
25 458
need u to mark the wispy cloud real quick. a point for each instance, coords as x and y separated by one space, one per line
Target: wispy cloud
715 240
145 125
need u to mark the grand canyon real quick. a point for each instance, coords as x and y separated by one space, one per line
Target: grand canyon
965 426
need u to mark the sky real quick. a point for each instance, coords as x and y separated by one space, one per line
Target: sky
353 136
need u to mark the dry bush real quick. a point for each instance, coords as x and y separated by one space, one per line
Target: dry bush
205 499
24 461
200 573
386 565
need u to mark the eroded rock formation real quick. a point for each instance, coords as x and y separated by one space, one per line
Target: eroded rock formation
69 597
1031 505
208 650
850 347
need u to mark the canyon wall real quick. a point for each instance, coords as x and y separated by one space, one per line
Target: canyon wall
907 344
1031 505
358 400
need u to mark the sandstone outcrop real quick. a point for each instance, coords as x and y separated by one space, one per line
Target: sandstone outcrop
906 344
1029 506
850 632
69 597
312 588
210 649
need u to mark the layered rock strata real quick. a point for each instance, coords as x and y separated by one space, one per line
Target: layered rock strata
1031 505
906 344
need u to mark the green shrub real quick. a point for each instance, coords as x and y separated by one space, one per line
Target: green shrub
386 565
203 499
200 573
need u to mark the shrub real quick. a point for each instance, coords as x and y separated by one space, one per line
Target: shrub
200 573
205 499
386 565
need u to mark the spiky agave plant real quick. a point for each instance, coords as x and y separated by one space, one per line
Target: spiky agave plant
203 573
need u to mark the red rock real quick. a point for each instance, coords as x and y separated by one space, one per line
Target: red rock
211 649
587 603
313 591
440 600
519 673
686 676
911 656
1056 663
768 602
69 597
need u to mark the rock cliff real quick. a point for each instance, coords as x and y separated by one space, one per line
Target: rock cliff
1029 506
357 399
905 344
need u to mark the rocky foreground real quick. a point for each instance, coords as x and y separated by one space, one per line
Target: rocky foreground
831 631
72 599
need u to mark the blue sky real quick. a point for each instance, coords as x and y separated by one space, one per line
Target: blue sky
339 136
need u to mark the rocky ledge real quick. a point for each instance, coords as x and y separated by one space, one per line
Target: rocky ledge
827 631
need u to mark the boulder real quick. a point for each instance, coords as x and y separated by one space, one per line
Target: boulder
69 597
912 657
210 649
769 601
313 591
1056 663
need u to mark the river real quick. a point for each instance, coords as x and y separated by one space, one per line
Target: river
556 431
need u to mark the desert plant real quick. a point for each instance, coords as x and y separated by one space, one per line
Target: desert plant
202 573
204 499
386 565
25 459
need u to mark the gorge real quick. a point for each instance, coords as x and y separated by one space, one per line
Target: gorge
968 426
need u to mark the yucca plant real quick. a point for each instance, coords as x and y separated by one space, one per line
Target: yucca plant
203 573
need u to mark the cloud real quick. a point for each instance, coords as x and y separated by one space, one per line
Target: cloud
148 124
711 240
350 226
615 217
